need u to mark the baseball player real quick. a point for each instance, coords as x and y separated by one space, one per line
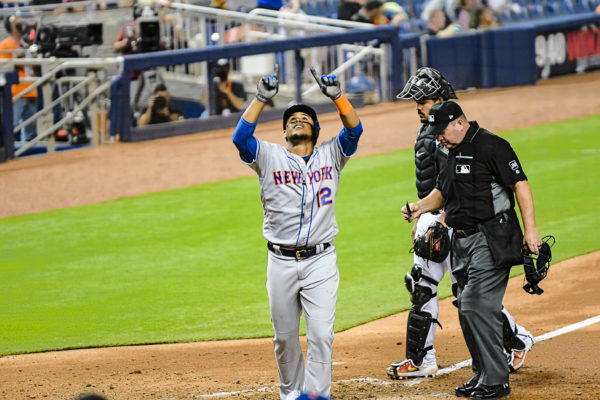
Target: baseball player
298 188
428 87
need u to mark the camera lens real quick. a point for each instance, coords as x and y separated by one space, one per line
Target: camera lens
160 102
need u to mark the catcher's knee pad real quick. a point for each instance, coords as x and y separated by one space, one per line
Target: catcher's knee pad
419 294
418 326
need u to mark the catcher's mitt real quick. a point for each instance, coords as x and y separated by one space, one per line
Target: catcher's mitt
436 245
536 267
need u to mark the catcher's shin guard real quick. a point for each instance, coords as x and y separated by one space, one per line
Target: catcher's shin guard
510 340
418 326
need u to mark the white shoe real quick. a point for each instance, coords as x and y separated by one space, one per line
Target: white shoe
406 369
293 395
517 355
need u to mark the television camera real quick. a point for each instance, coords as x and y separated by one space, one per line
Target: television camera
59 40
147 26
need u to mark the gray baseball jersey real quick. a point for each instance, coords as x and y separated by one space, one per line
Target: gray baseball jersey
297 196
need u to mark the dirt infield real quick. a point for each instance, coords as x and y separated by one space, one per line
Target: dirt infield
564 367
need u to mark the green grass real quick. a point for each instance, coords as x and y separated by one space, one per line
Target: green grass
189 264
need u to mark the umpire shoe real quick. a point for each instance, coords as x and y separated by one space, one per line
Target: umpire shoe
490 392
467 388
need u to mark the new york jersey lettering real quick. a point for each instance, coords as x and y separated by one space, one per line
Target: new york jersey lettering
295 177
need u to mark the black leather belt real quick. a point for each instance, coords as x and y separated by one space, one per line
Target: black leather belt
297 253
465 232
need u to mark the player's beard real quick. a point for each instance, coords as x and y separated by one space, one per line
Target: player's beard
297 138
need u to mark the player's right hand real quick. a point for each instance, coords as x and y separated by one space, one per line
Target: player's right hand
268 86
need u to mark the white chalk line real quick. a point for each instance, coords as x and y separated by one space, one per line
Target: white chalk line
443 371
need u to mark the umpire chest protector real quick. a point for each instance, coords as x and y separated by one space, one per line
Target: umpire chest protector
426 168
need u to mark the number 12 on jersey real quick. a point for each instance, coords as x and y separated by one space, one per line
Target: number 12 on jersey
324 197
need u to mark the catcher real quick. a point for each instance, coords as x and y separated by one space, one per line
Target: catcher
431 241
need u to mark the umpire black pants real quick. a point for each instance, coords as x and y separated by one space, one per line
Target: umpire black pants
481 288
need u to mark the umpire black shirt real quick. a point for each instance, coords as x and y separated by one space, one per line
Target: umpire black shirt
475 181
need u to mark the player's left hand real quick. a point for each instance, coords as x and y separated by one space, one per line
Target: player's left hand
329 85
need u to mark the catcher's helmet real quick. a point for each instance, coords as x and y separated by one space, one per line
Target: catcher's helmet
307 110
427 83
536 267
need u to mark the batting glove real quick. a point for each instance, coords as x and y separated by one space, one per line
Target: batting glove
328 84
268 86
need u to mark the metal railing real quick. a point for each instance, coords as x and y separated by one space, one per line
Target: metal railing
207 27
86 77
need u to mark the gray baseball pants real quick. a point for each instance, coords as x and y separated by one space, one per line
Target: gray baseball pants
481 288
294 287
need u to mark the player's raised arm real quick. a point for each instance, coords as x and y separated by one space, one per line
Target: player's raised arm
266 89
243 138
331 88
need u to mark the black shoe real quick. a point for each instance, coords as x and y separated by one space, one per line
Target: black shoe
490 392
467 387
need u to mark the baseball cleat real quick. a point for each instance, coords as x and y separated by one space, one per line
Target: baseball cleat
406 369
517 356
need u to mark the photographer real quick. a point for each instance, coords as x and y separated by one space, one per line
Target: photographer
229 95
161 108
26 106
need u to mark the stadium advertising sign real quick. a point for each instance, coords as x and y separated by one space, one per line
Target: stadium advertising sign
568 52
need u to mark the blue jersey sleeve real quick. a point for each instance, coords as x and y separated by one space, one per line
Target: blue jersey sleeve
349 139
244 140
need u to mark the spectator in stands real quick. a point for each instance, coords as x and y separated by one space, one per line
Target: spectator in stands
371 13
395 13
269 4
465 13
229 95
289 9
348 8
483 18
499 6
161 108
220 4
447 5
438 26
26 106
127 36
292 6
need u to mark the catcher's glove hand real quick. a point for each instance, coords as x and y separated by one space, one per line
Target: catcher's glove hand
435 244
536 268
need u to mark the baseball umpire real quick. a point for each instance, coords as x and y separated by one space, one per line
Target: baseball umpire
431 253
298 188
477 187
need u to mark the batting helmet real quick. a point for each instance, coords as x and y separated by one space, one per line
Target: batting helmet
427 83
307 110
